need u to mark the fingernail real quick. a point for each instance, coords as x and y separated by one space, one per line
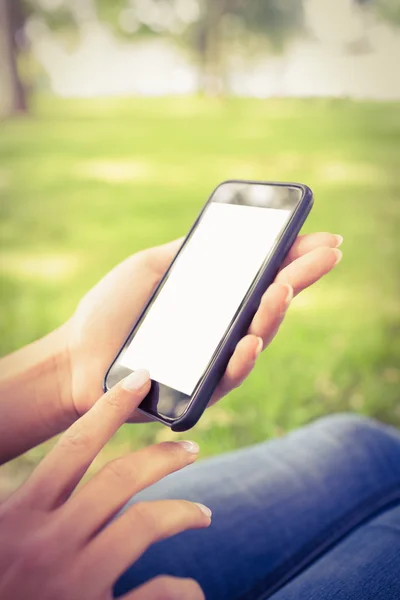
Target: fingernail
289 295
136 380
339 239
189 446
204 509
259 348
339 255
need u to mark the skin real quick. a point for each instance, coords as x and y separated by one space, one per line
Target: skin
53 540
65 552
104 317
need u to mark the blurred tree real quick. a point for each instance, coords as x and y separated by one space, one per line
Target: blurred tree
209 28
13 91
388 10
221 23
14 14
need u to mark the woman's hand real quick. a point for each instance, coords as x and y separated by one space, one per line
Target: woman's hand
106 314
55 545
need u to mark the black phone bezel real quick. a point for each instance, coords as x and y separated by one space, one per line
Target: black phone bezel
240 322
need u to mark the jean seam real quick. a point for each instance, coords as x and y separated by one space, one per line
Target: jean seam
322 543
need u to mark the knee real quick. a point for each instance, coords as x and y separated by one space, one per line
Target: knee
359 434
349 424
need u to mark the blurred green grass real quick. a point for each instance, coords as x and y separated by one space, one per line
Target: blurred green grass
85 183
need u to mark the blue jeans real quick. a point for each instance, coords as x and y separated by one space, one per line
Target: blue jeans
314 515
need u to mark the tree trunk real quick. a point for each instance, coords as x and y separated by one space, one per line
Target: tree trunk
12 88
212 82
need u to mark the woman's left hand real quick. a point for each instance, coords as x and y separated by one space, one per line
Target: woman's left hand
106 314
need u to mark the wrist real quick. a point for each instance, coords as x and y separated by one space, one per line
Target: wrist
59 365
35 394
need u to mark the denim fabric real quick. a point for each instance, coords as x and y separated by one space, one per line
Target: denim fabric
363 566
313 515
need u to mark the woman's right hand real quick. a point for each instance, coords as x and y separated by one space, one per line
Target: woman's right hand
54 543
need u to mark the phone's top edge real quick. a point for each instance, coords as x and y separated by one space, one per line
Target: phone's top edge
264 182
296 184
307 191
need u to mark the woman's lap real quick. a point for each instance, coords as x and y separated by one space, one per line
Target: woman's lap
278 508
363 566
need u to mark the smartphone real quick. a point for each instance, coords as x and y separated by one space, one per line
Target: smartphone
206 300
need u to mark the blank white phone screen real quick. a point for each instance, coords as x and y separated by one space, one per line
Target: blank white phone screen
204 289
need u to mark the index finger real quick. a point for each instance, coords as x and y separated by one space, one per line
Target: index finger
58 474
307 242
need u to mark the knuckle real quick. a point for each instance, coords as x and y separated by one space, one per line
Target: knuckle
156 521
76 438
144 515
120 469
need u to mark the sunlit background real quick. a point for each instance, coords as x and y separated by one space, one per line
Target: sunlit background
118 119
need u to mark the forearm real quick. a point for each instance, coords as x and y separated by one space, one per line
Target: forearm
34 394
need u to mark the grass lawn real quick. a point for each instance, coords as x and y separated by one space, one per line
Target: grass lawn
85 183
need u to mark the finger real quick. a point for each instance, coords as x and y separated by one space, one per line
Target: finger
58 474
309 268
160 257
310 241
135 530
167 588
270 314
104 495
303 272
263 328
239 367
